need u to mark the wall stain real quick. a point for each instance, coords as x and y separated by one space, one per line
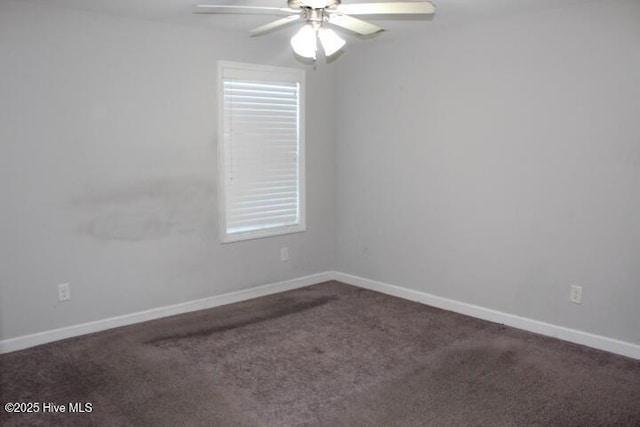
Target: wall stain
148 210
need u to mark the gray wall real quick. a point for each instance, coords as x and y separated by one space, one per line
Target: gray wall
498 164
108 168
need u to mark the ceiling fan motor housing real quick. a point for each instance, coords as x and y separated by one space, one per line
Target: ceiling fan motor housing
313 11
313 4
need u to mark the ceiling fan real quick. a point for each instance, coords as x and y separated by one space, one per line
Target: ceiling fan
317 16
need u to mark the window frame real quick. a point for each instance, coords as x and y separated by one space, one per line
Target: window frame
281 74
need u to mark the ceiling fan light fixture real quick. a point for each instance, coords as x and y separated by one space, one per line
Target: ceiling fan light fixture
316 14
330 40
304 43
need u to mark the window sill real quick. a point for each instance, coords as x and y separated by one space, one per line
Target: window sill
261 234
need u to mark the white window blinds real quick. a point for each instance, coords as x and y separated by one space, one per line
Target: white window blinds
261 151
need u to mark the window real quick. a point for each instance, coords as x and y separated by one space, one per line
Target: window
261 151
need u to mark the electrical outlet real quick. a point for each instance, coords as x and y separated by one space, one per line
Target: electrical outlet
64 292
575 294
284 254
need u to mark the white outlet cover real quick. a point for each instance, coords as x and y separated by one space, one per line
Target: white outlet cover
64 292
284 254
575 294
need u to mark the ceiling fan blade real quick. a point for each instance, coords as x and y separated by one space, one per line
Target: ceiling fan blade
399 8
253 10
274 25
354 24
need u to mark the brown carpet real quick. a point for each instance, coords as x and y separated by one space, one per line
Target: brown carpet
326 355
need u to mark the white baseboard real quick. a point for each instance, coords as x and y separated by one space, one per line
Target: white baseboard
26 341
560 332
572 335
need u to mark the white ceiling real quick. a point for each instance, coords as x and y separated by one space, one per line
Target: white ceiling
448 12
